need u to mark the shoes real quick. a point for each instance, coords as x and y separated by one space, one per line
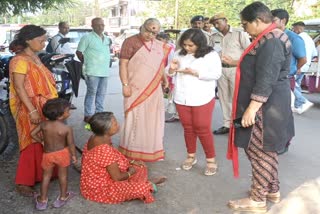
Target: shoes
222 130
59 203
303 108
273 197
40 205
189 162
72 106
86 119
173 118
248 205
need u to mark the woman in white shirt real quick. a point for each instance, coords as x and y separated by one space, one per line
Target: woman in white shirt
197 68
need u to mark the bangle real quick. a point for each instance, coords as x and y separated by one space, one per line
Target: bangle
31 112
129 175
125 84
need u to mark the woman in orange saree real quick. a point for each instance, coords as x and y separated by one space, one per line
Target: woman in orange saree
31 85
142 62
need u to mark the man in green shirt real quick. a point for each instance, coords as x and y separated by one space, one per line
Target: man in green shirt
94 51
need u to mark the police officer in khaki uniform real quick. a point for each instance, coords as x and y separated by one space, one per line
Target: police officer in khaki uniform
231 45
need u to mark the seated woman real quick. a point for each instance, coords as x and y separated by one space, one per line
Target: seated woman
107 176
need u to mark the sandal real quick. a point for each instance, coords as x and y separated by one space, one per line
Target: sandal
59 202
26 191
211 168
189 162
273 197
40 205
248 205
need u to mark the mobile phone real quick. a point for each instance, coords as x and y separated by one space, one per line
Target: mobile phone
237 122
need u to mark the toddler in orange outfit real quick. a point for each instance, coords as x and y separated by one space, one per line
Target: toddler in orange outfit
58 143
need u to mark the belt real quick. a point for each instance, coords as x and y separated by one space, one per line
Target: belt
228 66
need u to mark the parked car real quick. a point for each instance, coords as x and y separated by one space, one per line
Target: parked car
75 34
126 34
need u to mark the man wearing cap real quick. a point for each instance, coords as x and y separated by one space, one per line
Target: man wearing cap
232 44
198 22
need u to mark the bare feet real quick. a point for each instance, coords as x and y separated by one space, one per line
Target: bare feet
158 180
26 191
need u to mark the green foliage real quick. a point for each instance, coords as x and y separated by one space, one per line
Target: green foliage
15 7
74 15
188 9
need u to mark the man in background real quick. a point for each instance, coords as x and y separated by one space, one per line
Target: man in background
56 46
311 52
199 22
298 55
94 51
60 48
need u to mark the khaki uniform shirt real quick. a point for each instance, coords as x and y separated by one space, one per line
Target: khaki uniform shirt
232 44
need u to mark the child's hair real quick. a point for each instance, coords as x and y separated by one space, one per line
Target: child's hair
55 108
100 122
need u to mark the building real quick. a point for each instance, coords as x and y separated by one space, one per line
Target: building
125 14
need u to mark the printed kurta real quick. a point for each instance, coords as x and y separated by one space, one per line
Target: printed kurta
97 185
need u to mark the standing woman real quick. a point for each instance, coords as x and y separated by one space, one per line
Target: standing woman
142 63
262 100
31 85
196 68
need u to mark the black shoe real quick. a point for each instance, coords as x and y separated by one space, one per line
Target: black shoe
222 130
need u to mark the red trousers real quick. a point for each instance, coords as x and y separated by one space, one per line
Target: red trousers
196 122
29 169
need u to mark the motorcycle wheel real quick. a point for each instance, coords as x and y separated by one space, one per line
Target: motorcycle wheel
3 134
8 152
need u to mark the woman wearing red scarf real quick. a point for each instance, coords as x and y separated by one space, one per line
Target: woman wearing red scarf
262 101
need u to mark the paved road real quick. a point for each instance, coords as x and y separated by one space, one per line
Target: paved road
190 191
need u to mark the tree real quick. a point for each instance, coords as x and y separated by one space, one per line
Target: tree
188 9
15 7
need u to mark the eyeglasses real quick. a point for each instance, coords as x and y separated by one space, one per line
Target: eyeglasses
150 32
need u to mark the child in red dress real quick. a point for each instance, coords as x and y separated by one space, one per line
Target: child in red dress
107 176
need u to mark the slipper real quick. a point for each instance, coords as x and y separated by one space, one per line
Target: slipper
40 205
155 188
59 203
25 191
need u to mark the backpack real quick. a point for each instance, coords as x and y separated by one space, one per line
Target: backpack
49 48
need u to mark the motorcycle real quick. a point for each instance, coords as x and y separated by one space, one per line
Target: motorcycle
8 133
56 63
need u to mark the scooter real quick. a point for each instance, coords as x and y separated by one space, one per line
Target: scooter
8 133
56 63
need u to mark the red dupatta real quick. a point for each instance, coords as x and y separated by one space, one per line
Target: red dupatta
232 153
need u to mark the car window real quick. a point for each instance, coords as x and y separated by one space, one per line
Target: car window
75 36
